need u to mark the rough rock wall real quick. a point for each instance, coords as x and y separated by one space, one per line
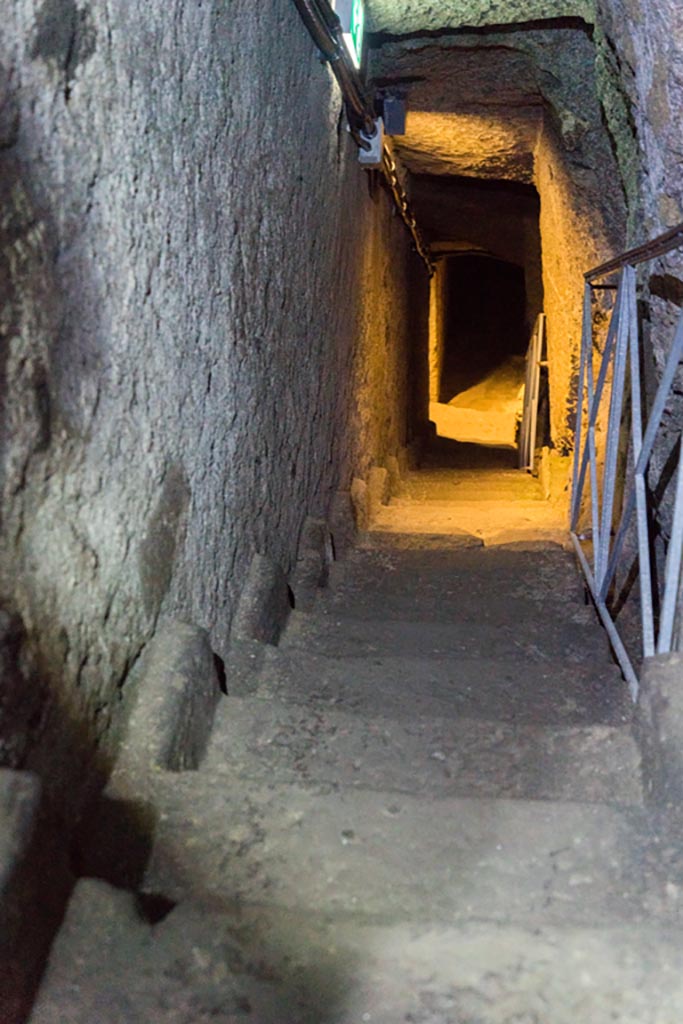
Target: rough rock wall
575 235
645 41
388 310
437 328
425 15
187 251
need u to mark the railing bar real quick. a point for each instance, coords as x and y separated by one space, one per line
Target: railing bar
628 506
602 376
586 346
672 571
612 632
593 465
645 572
595 500
644 567
534 392
659 403
527 433
521 461
658 246
613 430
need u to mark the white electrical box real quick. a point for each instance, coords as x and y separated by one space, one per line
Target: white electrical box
371 158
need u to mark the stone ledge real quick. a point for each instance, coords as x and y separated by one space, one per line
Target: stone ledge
177 695
264 604
659 730
313 560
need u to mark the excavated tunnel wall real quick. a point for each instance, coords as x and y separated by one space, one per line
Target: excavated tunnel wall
206 313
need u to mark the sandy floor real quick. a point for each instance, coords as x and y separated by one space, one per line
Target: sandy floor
486 413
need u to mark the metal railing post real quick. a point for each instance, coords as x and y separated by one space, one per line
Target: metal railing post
622 352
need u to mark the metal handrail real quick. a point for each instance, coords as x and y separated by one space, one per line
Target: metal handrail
528 427
659 246
621 357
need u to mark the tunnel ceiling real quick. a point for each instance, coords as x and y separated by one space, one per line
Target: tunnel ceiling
399 17
449 209
477 102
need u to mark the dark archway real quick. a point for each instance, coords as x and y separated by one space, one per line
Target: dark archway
485 319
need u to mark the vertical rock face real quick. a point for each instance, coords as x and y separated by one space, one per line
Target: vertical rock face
193 271
419 15
642 47
644 42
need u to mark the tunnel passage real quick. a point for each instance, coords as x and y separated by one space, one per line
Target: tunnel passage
486 294
485 321
507 151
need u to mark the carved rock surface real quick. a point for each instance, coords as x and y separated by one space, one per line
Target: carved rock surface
191 280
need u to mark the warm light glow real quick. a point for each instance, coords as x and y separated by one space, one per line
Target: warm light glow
487 413
472 144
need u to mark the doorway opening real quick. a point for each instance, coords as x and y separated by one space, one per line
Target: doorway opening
486 326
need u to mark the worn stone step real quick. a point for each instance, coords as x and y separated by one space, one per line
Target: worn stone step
466 553
430 477
465 601
403 687
270 965
533 641
485 575
494 522
437 757
401 511
393 857
468 491
435 596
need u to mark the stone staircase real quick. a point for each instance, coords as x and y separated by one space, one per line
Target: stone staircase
424 805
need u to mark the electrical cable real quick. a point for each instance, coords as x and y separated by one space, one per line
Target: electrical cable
325 30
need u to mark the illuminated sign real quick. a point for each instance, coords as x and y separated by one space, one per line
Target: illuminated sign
351 14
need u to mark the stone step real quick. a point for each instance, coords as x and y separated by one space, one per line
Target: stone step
436 757
269 965
533 641
437 596
431 477
392 857
466 553
480 687
494 522
533 575
468 490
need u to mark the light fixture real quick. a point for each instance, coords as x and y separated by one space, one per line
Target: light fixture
351 14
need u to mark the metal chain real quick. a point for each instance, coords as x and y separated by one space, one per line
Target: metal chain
400 198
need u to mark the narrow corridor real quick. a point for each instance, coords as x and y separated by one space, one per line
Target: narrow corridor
305 715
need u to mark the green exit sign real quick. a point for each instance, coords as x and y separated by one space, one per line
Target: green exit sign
351 14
